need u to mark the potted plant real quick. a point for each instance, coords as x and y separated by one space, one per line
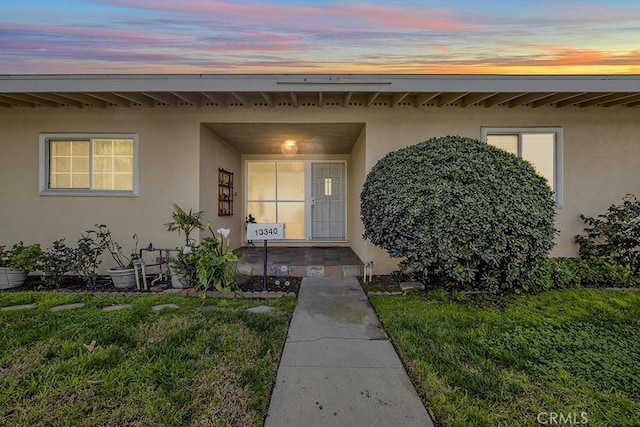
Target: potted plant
183 270
123 275
17 262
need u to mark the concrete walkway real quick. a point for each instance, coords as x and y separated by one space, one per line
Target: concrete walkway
338 367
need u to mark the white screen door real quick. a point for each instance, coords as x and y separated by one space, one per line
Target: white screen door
328 201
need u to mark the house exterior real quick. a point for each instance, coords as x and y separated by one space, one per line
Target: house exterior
119 149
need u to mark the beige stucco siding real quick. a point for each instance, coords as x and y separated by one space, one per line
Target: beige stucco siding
169 172
216 153
179 159
601 153
357 174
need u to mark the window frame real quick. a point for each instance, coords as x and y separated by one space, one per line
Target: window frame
558 150
45 140
308 161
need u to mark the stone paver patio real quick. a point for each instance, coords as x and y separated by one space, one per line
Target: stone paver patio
317 261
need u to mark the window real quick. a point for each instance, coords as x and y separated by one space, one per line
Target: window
542 147
83 164
276 193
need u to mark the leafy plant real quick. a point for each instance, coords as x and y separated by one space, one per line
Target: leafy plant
615 235
58 260
570 273
104 239
21 257
215 264
600 273
461 214
87 256
185 222
185 265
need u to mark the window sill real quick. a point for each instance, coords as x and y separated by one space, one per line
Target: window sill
72 193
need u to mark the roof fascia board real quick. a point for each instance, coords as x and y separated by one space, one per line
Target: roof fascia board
315 83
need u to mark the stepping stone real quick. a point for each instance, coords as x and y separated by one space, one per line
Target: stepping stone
207 308
68 306
164 306
18 307
116 307
405 286
260 309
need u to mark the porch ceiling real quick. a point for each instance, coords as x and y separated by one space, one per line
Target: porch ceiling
319 91
267 138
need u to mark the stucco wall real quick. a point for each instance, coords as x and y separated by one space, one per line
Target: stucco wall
356 177
216 153
601 153
178 157
169 172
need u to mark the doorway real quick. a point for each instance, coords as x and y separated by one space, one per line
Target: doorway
308 196
328 201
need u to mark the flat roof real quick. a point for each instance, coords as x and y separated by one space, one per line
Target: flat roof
318 90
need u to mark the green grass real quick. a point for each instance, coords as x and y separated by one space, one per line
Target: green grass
477 363
172 368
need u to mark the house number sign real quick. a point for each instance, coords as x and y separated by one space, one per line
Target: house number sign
265 231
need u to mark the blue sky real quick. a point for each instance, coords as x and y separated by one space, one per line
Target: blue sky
321 36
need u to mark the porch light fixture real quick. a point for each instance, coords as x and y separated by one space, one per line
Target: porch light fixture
289 147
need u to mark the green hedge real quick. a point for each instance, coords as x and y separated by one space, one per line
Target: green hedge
568 273
462 214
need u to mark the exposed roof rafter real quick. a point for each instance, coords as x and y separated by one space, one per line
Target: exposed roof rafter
582 98
501 98
226 90
137 98
528 98
267 98
112 99
7 99
606 99
423 98
347 98
474 98
33 99
449 98
397 98
163 98
553 99
371 98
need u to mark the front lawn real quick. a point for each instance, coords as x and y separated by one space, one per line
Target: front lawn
179 366
573 355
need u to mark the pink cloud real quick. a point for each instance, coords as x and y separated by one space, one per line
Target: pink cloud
294 15
76 30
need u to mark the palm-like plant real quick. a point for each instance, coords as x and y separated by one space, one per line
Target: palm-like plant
185 222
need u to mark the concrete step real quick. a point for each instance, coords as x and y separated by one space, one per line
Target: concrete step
283 270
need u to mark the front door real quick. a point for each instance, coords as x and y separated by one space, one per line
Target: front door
328 201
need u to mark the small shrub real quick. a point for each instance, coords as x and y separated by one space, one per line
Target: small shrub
461 213
571 273
615 235
59 260
565 273
21 257
599 273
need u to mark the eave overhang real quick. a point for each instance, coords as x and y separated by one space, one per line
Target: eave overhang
321 91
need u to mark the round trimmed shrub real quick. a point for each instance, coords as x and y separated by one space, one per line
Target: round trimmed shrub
463 214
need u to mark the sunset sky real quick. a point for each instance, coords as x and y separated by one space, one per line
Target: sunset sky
320 36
